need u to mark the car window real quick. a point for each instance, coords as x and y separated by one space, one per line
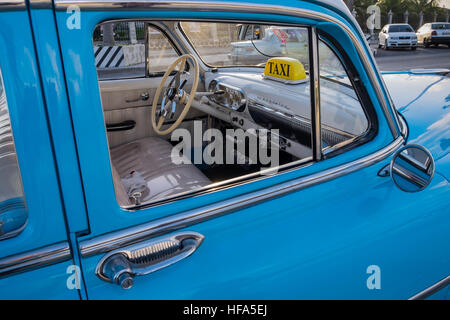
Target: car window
160 52
401 28
120 50
243 123
13 212
259 124
441 26
342 115
268 41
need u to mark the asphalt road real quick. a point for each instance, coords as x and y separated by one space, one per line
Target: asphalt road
406 59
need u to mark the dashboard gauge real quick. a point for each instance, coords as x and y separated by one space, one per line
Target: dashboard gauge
230 97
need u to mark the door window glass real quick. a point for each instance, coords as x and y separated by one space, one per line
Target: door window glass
13 213
342 115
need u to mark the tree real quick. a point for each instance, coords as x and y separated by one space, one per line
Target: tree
397 6
424 6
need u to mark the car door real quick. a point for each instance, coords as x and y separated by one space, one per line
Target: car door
35 256
322 230
420 33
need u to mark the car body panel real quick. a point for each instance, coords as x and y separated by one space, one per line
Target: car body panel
428 92
46 225
295 255
45 283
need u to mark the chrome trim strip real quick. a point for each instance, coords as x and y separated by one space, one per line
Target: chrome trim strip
12 5
432 289
41 4
25 261
125 237
316 132
161 5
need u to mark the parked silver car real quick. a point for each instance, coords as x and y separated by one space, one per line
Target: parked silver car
397 36
434 33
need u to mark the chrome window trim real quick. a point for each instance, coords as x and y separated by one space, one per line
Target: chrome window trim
161 5
314 78
41 4
33 259
432 289
131 235
12 5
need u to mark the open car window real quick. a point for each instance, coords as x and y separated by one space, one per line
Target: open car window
199 130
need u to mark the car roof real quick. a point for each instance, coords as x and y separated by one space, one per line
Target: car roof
337 4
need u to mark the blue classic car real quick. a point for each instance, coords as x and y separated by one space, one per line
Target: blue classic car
159 165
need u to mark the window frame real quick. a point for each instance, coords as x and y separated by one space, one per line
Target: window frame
318 153
363 97
147 24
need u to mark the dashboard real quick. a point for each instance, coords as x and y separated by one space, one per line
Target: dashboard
246 99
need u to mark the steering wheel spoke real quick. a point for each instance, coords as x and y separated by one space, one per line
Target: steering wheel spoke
174 107
174 94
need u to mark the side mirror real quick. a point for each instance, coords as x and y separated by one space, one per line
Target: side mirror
412 168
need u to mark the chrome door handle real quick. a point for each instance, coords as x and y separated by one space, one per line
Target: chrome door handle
122 265
144 97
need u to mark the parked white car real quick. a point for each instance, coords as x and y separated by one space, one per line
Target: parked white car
397 36
434 33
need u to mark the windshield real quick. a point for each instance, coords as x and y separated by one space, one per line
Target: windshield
402 28
232 44
440 26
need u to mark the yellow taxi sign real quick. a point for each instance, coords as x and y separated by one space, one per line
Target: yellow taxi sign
284 69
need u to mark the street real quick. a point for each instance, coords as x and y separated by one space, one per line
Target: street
406 59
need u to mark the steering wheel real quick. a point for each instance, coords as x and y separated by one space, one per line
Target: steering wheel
174 95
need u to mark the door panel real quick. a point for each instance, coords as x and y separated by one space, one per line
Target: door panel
31 137
41 284
119 104
311 244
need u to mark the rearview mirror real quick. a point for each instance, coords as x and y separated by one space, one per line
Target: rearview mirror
412 168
